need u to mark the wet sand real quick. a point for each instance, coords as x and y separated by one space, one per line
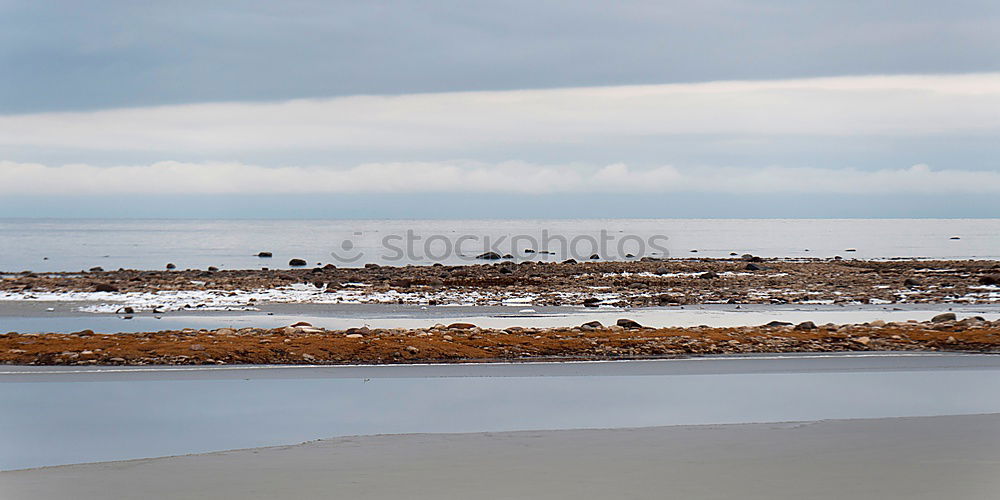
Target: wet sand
955 457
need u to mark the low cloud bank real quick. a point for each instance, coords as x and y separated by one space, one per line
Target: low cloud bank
468 177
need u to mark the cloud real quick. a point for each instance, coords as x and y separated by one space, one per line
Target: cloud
470 177
914 105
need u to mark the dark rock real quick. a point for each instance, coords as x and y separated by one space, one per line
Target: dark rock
627 323
372 265
489 256
651 259
508 256
694 251
297 262
663 270
993 279
779 323
592 325
955 238
569 261
506 270
170 265
708 275
265 254
757 267
941 318
595 257
301 323
629 256
105 287
97 269
591 302
851 250
329 266
806 325
125 310
911 282
213 268
461 326
528 250
733 254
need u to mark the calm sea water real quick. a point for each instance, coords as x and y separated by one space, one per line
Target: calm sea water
72 245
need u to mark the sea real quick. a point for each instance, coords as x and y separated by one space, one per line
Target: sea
52 245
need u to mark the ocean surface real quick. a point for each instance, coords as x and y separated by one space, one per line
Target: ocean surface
45 245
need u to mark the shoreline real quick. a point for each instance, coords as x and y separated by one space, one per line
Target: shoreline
304 344
642 283
951 456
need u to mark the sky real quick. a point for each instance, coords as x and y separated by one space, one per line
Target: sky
721 108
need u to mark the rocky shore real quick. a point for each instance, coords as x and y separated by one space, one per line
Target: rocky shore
304 344
636 283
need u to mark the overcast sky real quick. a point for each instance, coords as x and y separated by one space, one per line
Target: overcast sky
749 107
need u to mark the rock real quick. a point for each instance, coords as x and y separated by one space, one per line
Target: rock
364 330
506 270
595 257
877 323
354 335
105 287
170 265
265 254
197 347
592 325
733 254
508 256
329 266
591 302
627 323
941 318
447 337
663 270
863 340
757 267
708 275
301 323
779 323
296 262
97 269
125 310
955 238
993 279
529 250
212 269
412 349
308 357
489 256
461 326
851 250
569 261
951 340
911 282
629 256
372 265
806 325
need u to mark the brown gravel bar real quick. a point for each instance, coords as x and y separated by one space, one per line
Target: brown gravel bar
461 342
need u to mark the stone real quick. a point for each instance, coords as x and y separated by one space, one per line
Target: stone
302 323
592 325
212 269
941 318
354 335
489 256
757 267
863 340
990 280
97 269
779 323
595 257
951 340
461 326
171 265
412 349
105 287
708 275
911 282
197 347
591 302
529 250
296 262
265 254
569 261
308 357
806 325
627 323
